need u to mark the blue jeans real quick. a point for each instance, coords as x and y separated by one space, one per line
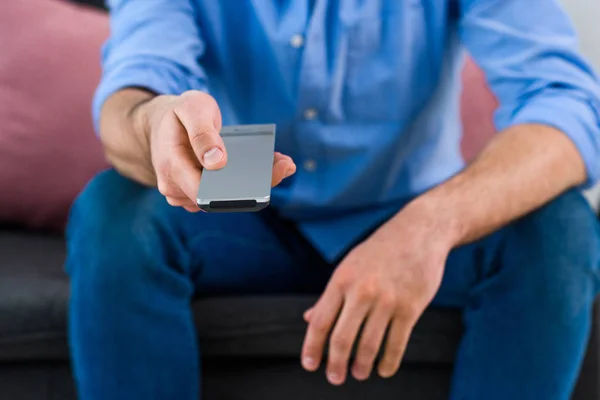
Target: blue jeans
135 263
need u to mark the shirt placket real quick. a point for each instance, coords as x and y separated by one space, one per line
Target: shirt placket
311 106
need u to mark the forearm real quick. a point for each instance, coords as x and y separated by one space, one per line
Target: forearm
520 170
123 137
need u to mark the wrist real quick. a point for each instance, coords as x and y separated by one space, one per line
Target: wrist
124 133
124 112
435 218
138 116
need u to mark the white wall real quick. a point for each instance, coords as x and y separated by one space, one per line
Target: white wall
586 16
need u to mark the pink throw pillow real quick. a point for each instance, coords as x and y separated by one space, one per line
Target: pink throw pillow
49 68
477 110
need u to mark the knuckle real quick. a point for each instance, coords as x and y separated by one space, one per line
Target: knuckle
196 101
367 291
367 351
388 300
163 187
409 310
319 326
340 343
193 96
341 280
343 283
202 136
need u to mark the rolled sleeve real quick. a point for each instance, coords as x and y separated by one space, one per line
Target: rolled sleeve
154 44
534 68
571 115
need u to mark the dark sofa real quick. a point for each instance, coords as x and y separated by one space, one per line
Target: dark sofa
250 345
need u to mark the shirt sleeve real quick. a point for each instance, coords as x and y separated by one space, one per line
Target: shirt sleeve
529 52
154 44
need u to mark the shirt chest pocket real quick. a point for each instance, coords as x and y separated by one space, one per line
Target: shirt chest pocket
386 69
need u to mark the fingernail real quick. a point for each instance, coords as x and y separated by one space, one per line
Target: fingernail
309 363
212 157
360 373
334 378
384 374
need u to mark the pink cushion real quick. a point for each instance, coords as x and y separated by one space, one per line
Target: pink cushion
477 109
49 67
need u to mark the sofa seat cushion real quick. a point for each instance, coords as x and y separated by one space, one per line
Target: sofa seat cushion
34 294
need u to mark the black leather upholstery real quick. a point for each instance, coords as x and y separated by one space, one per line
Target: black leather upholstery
94 3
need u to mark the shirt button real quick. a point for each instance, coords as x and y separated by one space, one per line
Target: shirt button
310 165
297 41
310 114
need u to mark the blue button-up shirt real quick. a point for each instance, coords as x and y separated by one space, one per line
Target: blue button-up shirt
365 93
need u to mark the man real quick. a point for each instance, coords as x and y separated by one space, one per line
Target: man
365 98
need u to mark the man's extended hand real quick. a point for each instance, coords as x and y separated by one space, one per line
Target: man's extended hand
167 141
384 284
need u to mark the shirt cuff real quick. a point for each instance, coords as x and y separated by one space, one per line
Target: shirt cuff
576 117
155 75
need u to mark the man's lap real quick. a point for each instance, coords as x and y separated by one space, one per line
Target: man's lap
226 252
261 253
254 252
526 290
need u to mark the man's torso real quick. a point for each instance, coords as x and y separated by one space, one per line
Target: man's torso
364 93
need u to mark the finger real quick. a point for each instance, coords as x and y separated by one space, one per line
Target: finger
181 202
185 171
200 115
395 347
343 337
168 188
283 167
177 170
184 203
370 341
278 157
192 209
323 316
178 201
307 314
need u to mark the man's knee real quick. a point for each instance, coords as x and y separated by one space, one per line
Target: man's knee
556 252
570 209
98 210
565 228
110 229
102 195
